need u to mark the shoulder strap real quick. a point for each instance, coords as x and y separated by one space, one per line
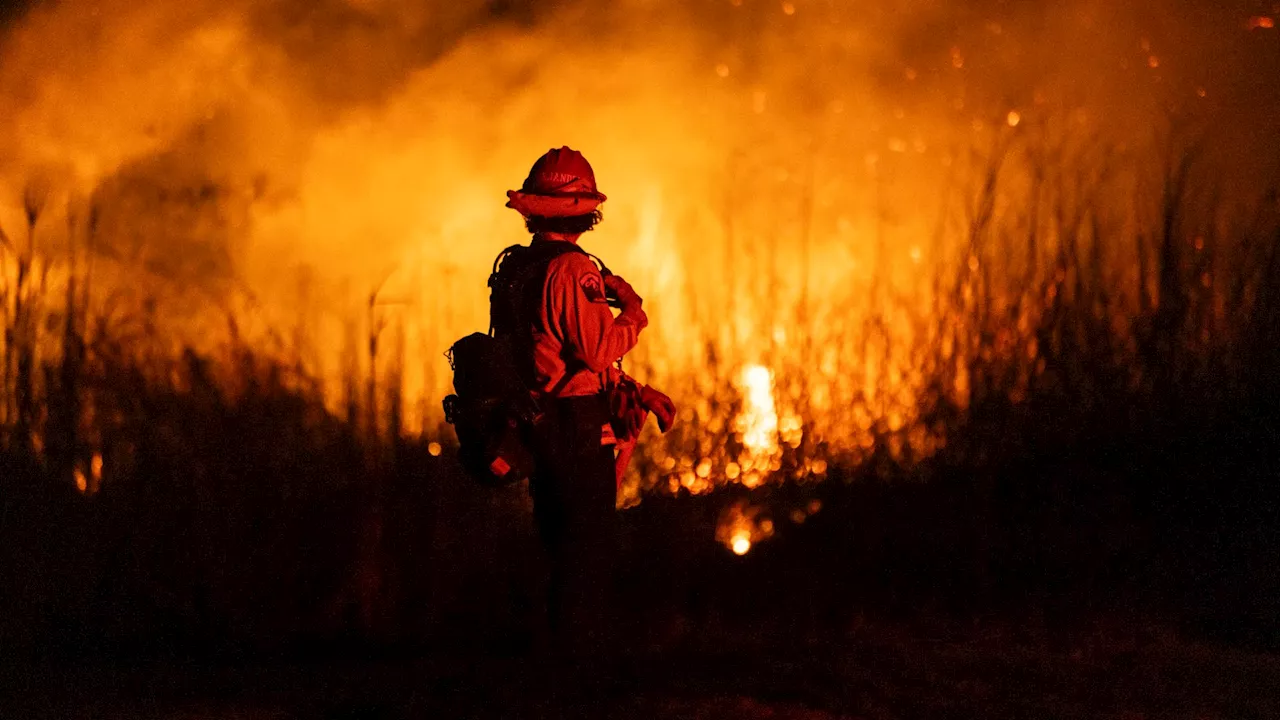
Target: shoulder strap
604 269
515 285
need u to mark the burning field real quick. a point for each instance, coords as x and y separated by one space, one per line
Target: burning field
903 263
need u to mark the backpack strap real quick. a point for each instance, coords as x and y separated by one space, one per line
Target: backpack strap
515 283
604 269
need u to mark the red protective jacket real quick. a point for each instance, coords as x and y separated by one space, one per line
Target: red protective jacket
577 333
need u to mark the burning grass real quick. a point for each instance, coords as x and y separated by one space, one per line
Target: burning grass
1046 342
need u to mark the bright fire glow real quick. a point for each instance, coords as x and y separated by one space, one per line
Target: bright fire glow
758 422
741 543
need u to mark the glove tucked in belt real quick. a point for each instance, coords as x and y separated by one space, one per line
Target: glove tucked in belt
627 411
629 405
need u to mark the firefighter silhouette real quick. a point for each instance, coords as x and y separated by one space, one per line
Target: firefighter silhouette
557 309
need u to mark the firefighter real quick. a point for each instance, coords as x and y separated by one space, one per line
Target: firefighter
568 340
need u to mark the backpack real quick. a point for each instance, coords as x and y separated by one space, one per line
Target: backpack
494 409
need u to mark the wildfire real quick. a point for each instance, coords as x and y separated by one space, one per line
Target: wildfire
786 193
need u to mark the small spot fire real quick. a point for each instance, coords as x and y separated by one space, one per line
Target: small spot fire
741 526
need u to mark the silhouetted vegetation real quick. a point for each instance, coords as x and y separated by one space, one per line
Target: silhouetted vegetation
1112 459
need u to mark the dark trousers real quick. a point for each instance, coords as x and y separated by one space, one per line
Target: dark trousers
574 496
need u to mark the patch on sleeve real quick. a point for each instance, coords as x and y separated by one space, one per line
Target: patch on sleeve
593 287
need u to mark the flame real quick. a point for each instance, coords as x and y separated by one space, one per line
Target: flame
741 543
758 422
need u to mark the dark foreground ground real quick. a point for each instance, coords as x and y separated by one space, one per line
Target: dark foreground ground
876 673
1117 581
869 609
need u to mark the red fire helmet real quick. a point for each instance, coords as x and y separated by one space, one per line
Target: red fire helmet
560 184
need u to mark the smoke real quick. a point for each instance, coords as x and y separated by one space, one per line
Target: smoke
301 157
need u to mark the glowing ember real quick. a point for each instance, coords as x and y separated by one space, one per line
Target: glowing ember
1014 118
89 483
434 449
1261 22
741 543
95 473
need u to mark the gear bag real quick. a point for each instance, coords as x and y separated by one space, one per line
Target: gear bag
494 409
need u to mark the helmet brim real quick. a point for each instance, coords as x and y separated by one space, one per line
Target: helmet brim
559 205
